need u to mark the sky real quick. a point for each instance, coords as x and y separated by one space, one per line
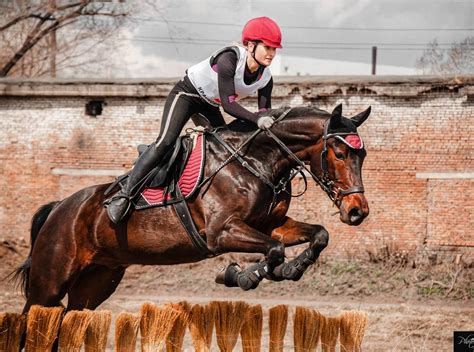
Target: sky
319 36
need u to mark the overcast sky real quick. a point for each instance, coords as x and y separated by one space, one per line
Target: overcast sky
188 31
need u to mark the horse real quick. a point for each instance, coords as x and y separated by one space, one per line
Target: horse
76 250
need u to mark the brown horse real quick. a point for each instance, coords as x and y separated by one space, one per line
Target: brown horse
76 250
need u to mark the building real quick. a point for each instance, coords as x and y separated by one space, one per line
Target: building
418 175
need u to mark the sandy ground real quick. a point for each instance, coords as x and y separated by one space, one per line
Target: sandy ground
407 310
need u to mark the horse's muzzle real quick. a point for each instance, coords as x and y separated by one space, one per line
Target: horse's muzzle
354 209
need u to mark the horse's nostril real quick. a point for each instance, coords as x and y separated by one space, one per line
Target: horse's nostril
355 214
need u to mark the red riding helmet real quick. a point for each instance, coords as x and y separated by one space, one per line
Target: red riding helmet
263 29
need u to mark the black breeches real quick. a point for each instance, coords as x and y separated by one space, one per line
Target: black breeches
182 102
180 105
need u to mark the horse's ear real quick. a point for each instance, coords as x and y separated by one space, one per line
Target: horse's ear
336 115
361 117
337 112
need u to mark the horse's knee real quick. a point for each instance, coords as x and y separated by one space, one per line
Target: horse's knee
214 247
276 254
320 239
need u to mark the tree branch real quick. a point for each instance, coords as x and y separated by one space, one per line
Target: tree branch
65 7
22 18
25 47
36 35
27 25
106 14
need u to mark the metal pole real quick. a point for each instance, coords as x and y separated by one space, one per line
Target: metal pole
374 59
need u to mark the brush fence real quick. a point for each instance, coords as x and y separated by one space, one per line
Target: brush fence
216 326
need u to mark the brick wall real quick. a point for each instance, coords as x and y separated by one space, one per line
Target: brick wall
418 175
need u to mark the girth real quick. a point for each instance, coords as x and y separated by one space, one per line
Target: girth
185 218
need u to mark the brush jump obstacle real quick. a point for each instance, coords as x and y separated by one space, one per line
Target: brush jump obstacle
217 325
76 250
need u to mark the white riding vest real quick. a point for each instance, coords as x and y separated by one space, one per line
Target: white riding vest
204 78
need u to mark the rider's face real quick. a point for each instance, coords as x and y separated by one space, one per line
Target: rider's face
264 54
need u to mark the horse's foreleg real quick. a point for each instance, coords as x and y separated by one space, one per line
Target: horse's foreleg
292 233
93 286
237 236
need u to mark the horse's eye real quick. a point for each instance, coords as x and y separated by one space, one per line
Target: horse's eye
340 156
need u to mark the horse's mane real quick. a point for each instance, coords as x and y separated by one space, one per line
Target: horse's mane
298 111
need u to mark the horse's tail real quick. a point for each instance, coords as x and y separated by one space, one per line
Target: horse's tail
21 274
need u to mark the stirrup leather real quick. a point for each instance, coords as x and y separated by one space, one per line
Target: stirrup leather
120 194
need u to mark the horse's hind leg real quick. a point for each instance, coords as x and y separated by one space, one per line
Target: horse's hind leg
93 286
49 280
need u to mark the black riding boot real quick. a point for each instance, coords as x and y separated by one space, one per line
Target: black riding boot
119 204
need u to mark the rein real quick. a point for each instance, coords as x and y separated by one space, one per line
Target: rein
281 186
235 153
326 184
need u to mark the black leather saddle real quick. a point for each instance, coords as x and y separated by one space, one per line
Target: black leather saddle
165 174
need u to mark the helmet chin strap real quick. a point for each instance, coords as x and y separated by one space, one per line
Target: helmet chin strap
252 53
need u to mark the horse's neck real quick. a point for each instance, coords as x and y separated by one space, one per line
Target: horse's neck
260 153
265 154
299 132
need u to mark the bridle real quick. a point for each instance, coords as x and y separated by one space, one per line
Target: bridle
335 193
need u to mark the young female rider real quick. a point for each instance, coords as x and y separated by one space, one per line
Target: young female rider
229 75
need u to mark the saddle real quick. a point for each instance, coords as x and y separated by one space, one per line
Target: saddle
182 167
172 165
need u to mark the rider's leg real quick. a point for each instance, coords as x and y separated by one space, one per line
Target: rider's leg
209 117
213 115
178 109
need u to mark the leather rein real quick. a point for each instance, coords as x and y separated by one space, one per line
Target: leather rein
327 185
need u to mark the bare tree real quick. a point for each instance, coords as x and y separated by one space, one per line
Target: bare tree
42 37
458 59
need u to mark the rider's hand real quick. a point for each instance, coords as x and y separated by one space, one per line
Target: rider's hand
265 122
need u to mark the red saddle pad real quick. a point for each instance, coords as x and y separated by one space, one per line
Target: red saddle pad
192 174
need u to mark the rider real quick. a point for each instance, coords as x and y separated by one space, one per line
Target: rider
230 74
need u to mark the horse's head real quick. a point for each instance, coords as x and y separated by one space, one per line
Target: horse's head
337 160
331 146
